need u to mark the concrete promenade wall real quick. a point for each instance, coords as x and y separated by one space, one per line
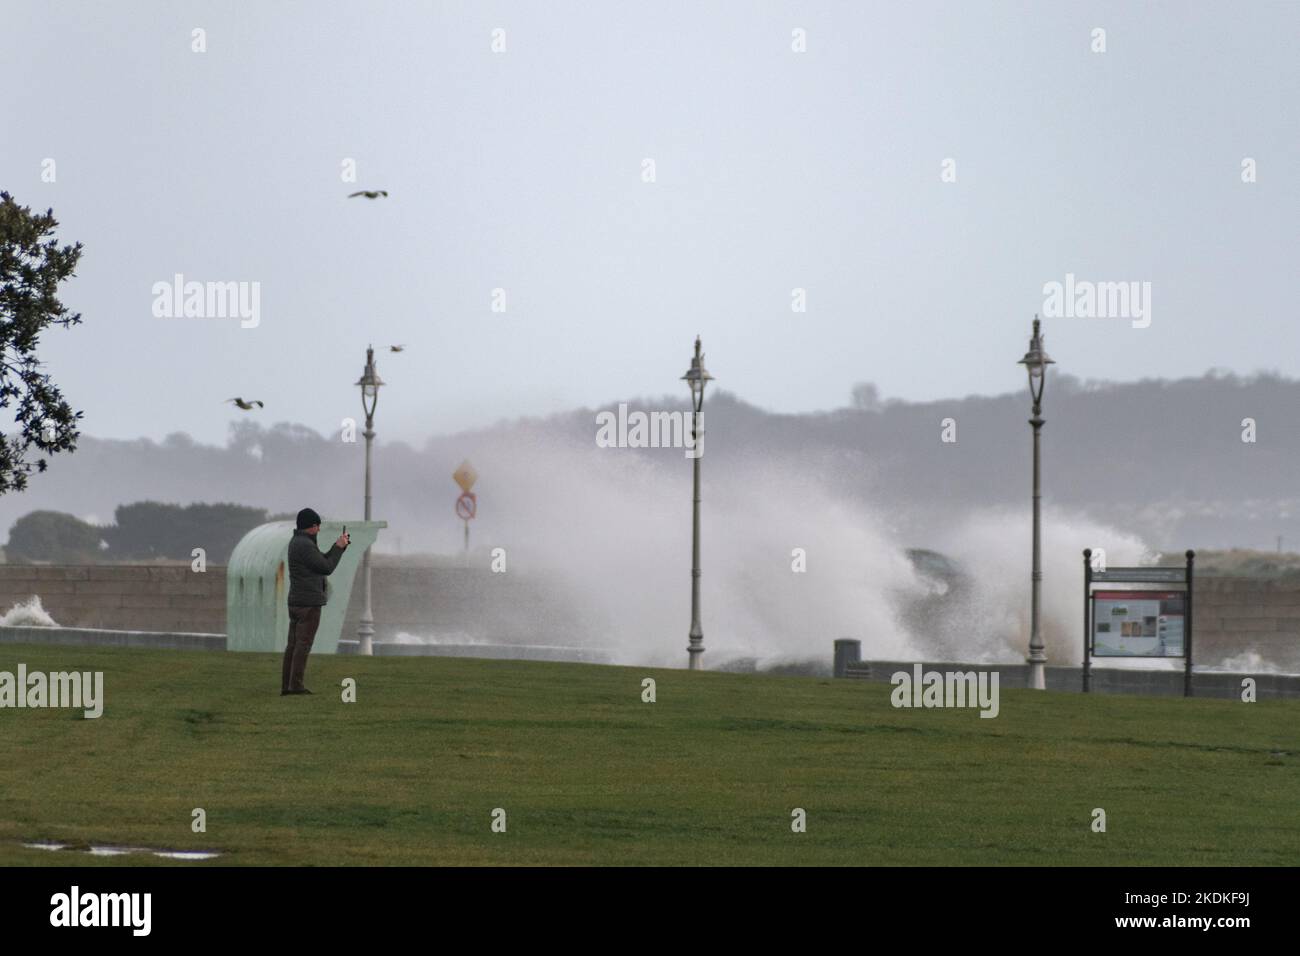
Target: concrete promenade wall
136 597
1233 616
178 641
472 603
1105 681
93 637
508 652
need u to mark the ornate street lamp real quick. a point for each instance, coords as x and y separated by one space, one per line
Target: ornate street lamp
370 383
1035 362
696 377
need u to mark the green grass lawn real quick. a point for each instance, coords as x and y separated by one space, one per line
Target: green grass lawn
589 774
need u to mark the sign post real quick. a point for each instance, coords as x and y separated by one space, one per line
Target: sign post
1135 621
467 503
1087 616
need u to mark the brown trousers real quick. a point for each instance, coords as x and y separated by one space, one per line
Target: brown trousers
303 622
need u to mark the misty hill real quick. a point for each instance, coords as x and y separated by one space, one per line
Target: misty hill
1162 460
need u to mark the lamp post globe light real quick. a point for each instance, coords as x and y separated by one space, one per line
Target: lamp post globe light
1035 362
697 376
369 383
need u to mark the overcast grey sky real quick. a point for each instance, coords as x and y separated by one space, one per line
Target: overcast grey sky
523 170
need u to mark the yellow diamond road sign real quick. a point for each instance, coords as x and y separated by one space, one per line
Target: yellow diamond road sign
465 475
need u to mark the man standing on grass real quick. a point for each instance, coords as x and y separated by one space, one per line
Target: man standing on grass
308 569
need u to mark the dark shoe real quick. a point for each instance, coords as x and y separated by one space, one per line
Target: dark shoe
300 690
285 693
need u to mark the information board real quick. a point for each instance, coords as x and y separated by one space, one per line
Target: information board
1138 623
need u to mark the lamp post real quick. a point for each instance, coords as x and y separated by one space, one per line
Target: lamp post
696 377
369 382
1035 362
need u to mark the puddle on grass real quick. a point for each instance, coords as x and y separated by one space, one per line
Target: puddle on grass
124 850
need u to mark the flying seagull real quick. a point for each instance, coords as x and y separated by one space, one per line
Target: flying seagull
369 193
246 405
396 348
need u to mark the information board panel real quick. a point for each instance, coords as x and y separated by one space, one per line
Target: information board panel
1139 623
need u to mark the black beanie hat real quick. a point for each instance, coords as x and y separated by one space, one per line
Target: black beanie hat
307 518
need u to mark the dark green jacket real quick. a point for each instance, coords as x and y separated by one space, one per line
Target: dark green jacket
308 569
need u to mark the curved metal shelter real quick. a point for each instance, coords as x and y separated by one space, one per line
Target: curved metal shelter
257 585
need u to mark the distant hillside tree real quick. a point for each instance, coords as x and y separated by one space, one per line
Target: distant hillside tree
55 537
866 397
31 267
150 530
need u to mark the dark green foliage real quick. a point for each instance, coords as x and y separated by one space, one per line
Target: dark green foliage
148 530
31 267
144 531
54 537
